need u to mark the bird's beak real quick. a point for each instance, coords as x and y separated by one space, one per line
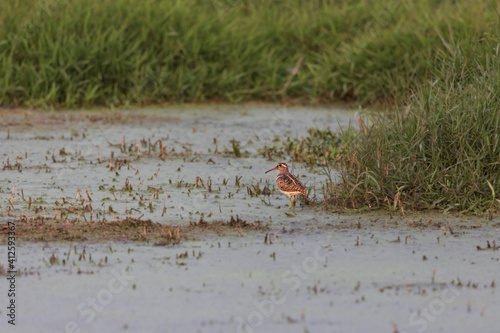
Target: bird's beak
275 168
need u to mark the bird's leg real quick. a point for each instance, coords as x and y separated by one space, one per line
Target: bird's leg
291 201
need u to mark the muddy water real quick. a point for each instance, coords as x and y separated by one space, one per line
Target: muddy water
313 271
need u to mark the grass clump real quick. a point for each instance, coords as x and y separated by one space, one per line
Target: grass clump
443 151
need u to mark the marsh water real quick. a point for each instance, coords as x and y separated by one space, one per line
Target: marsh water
310 270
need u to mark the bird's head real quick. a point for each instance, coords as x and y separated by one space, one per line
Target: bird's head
282 167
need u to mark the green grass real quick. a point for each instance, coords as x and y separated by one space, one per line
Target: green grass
443 151
84 53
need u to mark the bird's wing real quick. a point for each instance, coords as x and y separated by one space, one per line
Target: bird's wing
290 183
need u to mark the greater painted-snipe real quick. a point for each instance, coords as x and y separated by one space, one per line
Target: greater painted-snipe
288 184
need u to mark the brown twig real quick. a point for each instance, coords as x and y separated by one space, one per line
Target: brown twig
295 70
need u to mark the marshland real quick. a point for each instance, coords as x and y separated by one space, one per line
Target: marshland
134 142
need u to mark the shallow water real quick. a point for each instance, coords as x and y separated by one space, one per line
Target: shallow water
315 271
62 161
305 281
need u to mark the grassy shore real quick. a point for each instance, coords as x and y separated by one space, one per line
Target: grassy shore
441 150
84 53
435 62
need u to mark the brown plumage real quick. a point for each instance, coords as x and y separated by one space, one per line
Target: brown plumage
287 183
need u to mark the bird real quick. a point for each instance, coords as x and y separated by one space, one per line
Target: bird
288 184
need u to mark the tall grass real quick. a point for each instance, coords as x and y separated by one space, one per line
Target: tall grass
443 152
65 54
